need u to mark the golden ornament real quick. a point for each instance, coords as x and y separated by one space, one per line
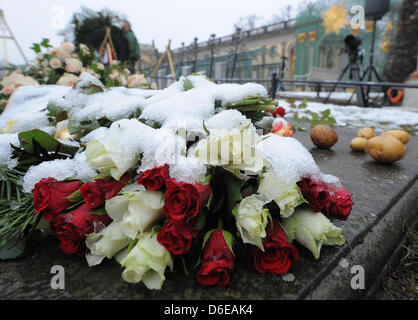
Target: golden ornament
335 18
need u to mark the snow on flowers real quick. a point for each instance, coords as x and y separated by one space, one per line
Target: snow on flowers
202 190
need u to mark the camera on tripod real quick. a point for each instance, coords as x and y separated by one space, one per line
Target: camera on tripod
352 48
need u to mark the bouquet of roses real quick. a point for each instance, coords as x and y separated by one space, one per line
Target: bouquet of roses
204 188
146 219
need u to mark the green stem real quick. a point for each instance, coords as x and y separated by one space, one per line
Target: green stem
220 223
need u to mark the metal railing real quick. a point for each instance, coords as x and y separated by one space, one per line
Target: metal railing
274 84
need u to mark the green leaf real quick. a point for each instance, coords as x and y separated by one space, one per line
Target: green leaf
98 212
326 113
226 190
187 84
229 239
201 221
132 244
207 236
75 197
331 120
45 140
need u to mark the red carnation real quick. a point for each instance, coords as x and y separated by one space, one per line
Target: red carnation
177 236
278 253
280 111
72 227
218 261
50 196
154 179
339 205
95 193
183 200
315 192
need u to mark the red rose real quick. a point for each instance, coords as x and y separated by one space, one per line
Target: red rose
184 199
280 111
95 193
72 227
50 196
218 261
278 253
339 205
315 192
154 179
177 236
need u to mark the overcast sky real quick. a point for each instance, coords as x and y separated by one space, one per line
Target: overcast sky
180 20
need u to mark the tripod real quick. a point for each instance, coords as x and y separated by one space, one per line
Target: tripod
354 69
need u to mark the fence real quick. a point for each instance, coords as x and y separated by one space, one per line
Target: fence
275 85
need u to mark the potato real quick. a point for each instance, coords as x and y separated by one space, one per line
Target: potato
399 134
385 149
358 144
323 136
366 132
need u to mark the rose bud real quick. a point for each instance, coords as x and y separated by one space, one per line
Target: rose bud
72 228
280 111
278 253
339 205
312 230
154 179
183 200
315 192
146 261
177 236
218 260
50 196
95 193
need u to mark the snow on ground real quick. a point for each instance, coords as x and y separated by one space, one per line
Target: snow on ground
340 96
380 118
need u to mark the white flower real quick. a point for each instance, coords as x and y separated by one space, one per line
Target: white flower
55 63
105 243
312 230
251 219
68 79
17 79
100 66
73 65
136 80
68 47
61 54
146 261
232 149
136 211
287 196
84 49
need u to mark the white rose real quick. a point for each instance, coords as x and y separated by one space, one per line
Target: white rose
73 65
55 63
114 154
251 220
232 149
105 243
136 80
136 211
68 47
68 80
287 196
61 54
146 261
312 230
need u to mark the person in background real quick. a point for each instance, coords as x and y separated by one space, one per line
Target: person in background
133 46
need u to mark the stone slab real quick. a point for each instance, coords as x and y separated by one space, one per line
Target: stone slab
385 198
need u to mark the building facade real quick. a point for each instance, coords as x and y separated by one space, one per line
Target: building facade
299 48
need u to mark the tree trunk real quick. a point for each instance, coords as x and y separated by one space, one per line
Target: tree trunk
402 57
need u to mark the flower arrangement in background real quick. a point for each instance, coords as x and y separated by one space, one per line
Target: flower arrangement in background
63 65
